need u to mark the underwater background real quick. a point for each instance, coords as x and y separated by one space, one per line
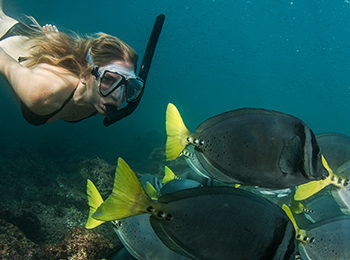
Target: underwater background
212 56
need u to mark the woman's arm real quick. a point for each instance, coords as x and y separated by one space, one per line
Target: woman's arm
42 88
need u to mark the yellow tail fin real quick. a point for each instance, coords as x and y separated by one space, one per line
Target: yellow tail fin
128 198
94 201
299 233
168 175
177 133
151 191
291 217
306 190
297 207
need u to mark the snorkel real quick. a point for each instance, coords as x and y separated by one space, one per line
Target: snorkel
113 114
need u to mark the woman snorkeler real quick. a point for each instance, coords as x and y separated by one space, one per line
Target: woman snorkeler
56 76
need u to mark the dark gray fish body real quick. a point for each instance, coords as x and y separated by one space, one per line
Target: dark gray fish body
324 207
258 147
139 239
224 223
328 239
336 149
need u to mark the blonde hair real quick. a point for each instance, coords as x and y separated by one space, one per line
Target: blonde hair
69 52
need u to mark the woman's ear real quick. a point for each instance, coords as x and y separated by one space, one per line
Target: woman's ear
84 76
83 79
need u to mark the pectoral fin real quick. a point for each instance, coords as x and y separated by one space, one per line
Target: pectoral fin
291 156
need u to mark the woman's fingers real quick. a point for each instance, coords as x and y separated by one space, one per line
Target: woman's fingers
50 27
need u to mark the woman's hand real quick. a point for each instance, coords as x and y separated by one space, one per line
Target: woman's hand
50 28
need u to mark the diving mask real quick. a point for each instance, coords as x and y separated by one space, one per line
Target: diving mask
116 80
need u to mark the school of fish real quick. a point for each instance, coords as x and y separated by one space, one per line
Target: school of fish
210 212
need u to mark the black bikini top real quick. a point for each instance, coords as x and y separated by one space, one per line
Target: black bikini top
36 119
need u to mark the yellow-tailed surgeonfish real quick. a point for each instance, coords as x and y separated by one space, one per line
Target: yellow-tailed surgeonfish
340 189
327 239
135 232
206 222
250 146
336 148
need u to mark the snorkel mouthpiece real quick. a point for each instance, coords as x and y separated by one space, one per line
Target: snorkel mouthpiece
113 114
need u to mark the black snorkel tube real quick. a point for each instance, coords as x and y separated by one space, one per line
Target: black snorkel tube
113 114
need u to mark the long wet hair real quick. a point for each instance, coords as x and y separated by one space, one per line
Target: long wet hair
69 51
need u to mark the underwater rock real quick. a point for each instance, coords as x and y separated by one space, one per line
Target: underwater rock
26 221
15 245
100 172
81 243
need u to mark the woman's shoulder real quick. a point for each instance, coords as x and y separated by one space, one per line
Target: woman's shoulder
56 86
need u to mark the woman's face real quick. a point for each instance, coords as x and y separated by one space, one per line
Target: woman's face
105 90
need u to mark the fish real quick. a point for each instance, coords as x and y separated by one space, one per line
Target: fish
336 148
204 222
340 189
135 233
249 146
327 239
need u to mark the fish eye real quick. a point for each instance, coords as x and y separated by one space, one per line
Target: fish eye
312 239
188 139
201 142
195 141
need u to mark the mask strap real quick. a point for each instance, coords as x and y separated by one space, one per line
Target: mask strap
89 58
90 61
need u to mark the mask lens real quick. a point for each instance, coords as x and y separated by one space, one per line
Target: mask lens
109 81
118 92
134 88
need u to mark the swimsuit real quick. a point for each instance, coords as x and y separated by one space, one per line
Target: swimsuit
20 29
